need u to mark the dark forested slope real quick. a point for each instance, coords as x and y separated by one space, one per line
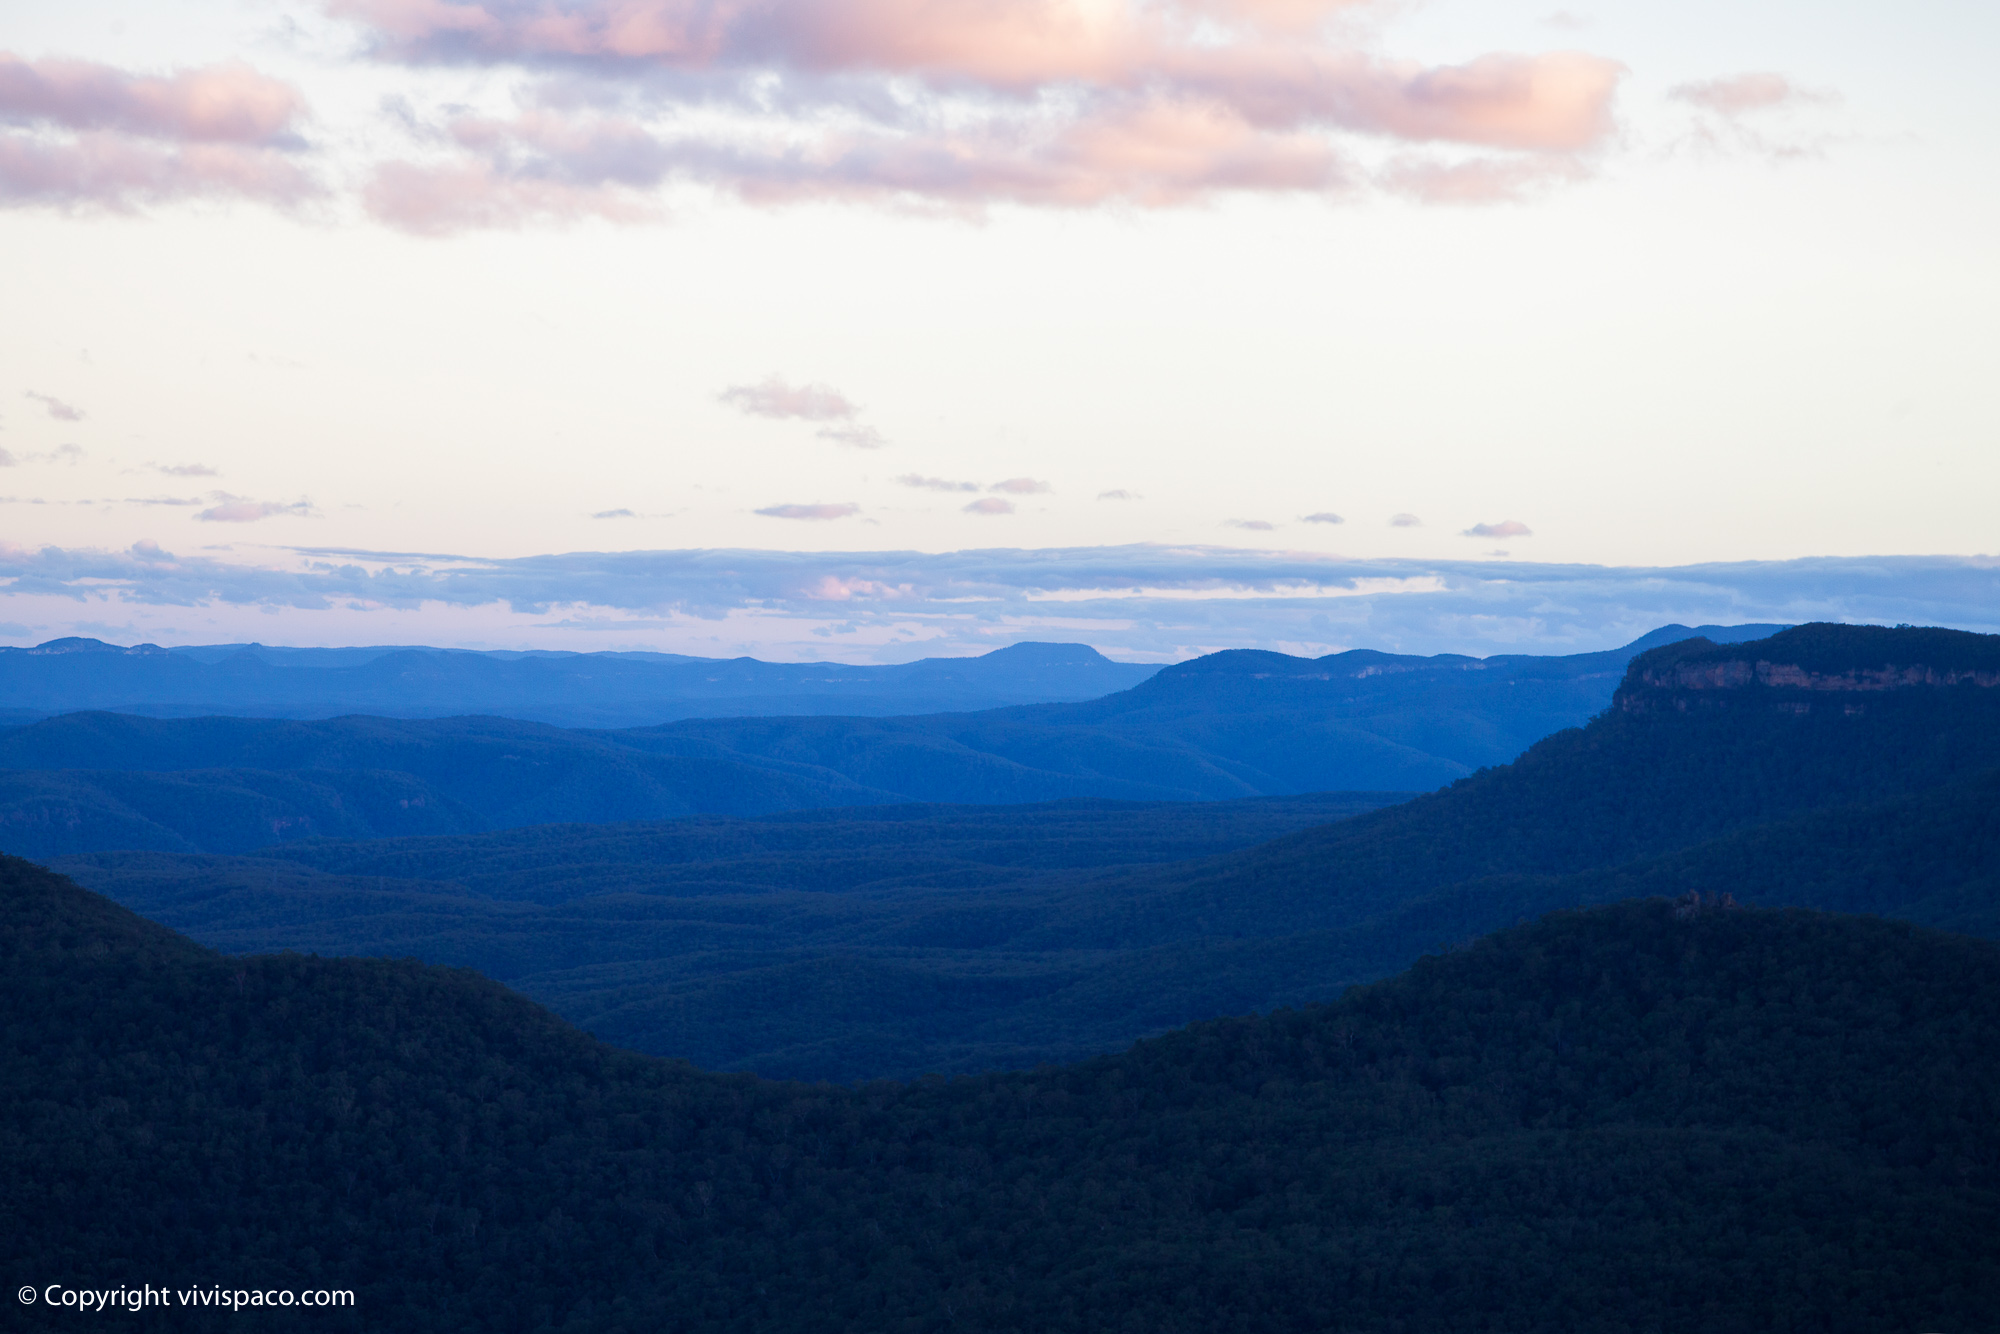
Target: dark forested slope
1642 1118
1665 767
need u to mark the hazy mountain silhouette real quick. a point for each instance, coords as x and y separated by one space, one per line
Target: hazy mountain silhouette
1229 725
568 689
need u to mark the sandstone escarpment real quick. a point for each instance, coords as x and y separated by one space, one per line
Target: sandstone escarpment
1821 663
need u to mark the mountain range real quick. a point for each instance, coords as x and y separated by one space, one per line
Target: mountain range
611 689
1664 1102
1827 766
1229 725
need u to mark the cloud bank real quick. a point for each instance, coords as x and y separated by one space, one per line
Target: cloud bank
77 133
958 104
1143 601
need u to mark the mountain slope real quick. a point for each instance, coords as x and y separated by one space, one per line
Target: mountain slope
1647 777
1634 1118
1230 724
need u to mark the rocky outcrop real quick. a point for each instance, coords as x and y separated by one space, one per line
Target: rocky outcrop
1789 671
1739 672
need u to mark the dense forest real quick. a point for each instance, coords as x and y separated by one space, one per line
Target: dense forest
1663 1116
895 941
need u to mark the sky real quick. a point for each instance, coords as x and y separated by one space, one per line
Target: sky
881 329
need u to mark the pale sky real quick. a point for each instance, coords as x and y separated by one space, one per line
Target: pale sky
1612 285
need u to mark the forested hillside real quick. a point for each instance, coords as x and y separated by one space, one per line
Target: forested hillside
1656 1116
849 944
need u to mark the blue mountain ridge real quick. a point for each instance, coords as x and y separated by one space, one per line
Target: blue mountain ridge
613 689
1229 725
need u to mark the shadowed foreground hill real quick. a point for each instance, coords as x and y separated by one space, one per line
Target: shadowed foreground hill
1642 1118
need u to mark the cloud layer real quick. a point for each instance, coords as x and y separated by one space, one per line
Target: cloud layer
600 105
1142 600
958 103
74 132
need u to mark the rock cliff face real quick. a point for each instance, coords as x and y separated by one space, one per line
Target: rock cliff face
1788 670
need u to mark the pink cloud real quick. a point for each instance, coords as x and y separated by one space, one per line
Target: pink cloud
935 483
92 134
833 588
1022 486
1738 106
990 505
806 402
1324 516
776 398
439 200
1739 93
1560 102
1505 528
220 104
1062 103
1480 180
250 511
118 173
1150 153
1254 525
840 511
